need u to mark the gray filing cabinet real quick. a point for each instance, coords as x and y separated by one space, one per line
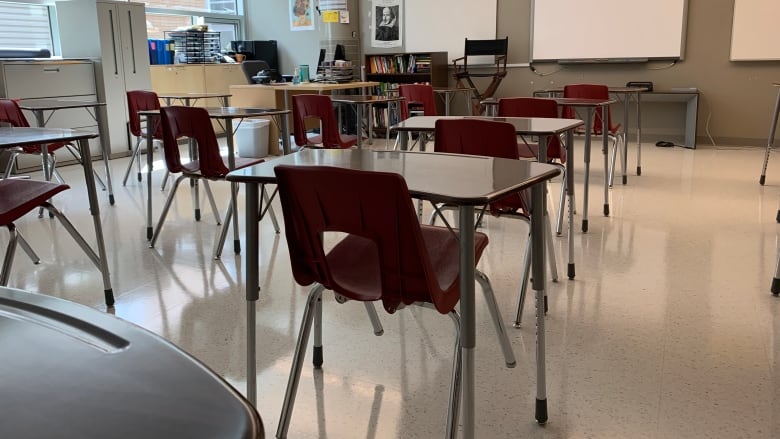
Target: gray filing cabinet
52 79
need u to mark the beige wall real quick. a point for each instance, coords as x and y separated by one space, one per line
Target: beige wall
737 98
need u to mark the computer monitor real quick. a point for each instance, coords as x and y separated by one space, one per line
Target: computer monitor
340 54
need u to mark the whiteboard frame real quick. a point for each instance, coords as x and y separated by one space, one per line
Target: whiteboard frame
636 59
731 48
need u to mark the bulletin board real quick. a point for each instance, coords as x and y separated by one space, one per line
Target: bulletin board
755 35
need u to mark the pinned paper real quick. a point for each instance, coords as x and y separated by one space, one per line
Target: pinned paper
344 17
330 16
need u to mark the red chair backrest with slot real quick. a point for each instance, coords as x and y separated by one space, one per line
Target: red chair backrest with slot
419 95
306 106
382 226
534 107
485 138
11 114
194 123
589 91
140 100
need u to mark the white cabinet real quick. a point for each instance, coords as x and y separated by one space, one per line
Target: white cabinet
114 34
55 79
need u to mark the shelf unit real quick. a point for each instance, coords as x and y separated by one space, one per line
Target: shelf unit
193 47
393 69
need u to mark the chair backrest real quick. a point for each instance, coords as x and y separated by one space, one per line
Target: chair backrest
485 138
534 107
141 100
320 107
376 209
193 123
11 114
588 91
252 67
419 95
497 48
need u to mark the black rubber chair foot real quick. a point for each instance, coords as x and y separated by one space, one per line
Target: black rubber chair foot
317 360
541 411
606 210
638 170
570 271
236 246
775 286
111 199
584 226
149 233
761 180
546 307
109 295
197 214
777 217
139 176
625 179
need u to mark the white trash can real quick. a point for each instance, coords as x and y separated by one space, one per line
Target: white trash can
251 138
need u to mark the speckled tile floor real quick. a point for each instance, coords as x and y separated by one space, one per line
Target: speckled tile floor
668 330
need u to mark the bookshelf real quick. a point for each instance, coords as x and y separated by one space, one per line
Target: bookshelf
393 69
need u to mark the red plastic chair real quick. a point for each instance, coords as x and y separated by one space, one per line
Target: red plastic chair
194 123
418 100
597 91
11 114
19 197
140 100
494 139
318 107
556 153
386 256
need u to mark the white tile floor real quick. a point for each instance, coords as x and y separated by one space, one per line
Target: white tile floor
668 330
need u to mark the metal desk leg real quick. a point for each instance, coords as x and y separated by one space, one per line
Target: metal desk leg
467 325
285 127
252 286
538 247
233 186
605 153
570 195
94 209
150 129
639 133
624 161
588 136
771 139
359 125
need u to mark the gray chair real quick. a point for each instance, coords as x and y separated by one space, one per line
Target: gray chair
252 67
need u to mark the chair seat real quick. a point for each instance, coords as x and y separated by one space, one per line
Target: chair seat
354 265
17 197
347 140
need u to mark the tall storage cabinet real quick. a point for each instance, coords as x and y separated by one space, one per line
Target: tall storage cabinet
114 33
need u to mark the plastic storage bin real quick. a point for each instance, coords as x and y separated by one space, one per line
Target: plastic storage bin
252 138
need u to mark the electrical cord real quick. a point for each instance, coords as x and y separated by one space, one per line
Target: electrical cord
538 73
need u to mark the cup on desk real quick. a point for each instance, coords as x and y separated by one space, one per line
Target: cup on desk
239 57
303 71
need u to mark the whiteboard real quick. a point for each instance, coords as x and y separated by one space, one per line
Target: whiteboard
755 34
607 30
439 25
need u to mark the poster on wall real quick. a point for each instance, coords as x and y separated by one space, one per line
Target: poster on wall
387 23
301 15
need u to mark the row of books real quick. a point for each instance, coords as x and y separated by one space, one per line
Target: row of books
160 51
390 88
401 63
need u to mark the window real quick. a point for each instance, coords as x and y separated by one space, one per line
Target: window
221 16
25 26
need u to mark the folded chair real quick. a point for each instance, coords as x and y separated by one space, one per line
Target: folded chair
140 100
616 135
194 123
493 139
19 197
386 256
318 107
498 49
556 153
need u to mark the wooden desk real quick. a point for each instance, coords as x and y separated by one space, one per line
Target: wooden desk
39 107
70 372
11 137
278 96
466 181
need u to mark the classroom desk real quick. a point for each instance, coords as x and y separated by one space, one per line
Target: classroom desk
39 107
225 115
528 126
70 371
467 181
190 99
771 139
12 137
365 102
278 95
448 93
